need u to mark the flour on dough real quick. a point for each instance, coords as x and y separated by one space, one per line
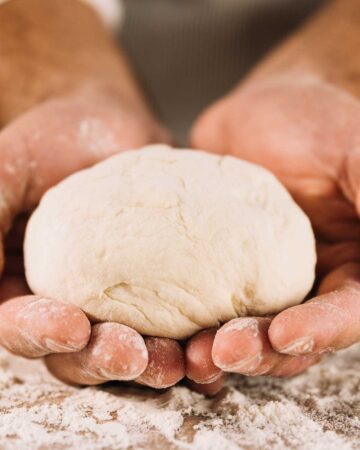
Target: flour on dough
170 242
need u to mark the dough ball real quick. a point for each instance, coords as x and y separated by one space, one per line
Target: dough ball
170 242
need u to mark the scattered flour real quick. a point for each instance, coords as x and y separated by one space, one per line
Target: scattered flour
245 323
318 410
96 136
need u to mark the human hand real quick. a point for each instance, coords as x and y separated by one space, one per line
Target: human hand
297 114
80 129
81 106
304 130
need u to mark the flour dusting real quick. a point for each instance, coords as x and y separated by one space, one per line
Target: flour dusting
96 136
317 410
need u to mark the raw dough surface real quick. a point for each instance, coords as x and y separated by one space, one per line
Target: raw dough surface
170 242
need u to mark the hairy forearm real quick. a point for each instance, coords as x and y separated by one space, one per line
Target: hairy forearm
326 46
50 47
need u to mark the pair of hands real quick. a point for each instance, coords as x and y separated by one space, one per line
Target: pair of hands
298 126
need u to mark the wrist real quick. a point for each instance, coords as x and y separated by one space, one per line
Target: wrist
50 48
323 48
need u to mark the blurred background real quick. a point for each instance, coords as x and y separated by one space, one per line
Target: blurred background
188 53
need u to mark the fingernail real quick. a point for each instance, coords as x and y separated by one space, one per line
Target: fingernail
116 376
210 379
247 323
326 350
153 384
300 346
244 366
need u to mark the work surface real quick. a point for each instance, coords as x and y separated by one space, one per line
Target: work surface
315 411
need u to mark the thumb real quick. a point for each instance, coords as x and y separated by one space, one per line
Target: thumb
350 183
330 321
209 131
80 131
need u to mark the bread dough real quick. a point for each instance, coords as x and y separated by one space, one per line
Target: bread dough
170 242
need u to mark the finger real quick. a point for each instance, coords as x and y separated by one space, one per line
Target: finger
33 326
210 130
209 389
199 364
343 276
332 256
329 322
242 346
166 365
294 365
114 352
12 286
93 125
333 218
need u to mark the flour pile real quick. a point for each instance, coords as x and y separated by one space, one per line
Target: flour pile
316 410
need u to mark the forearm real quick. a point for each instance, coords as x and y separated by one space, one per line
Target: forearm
326 46
50 47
